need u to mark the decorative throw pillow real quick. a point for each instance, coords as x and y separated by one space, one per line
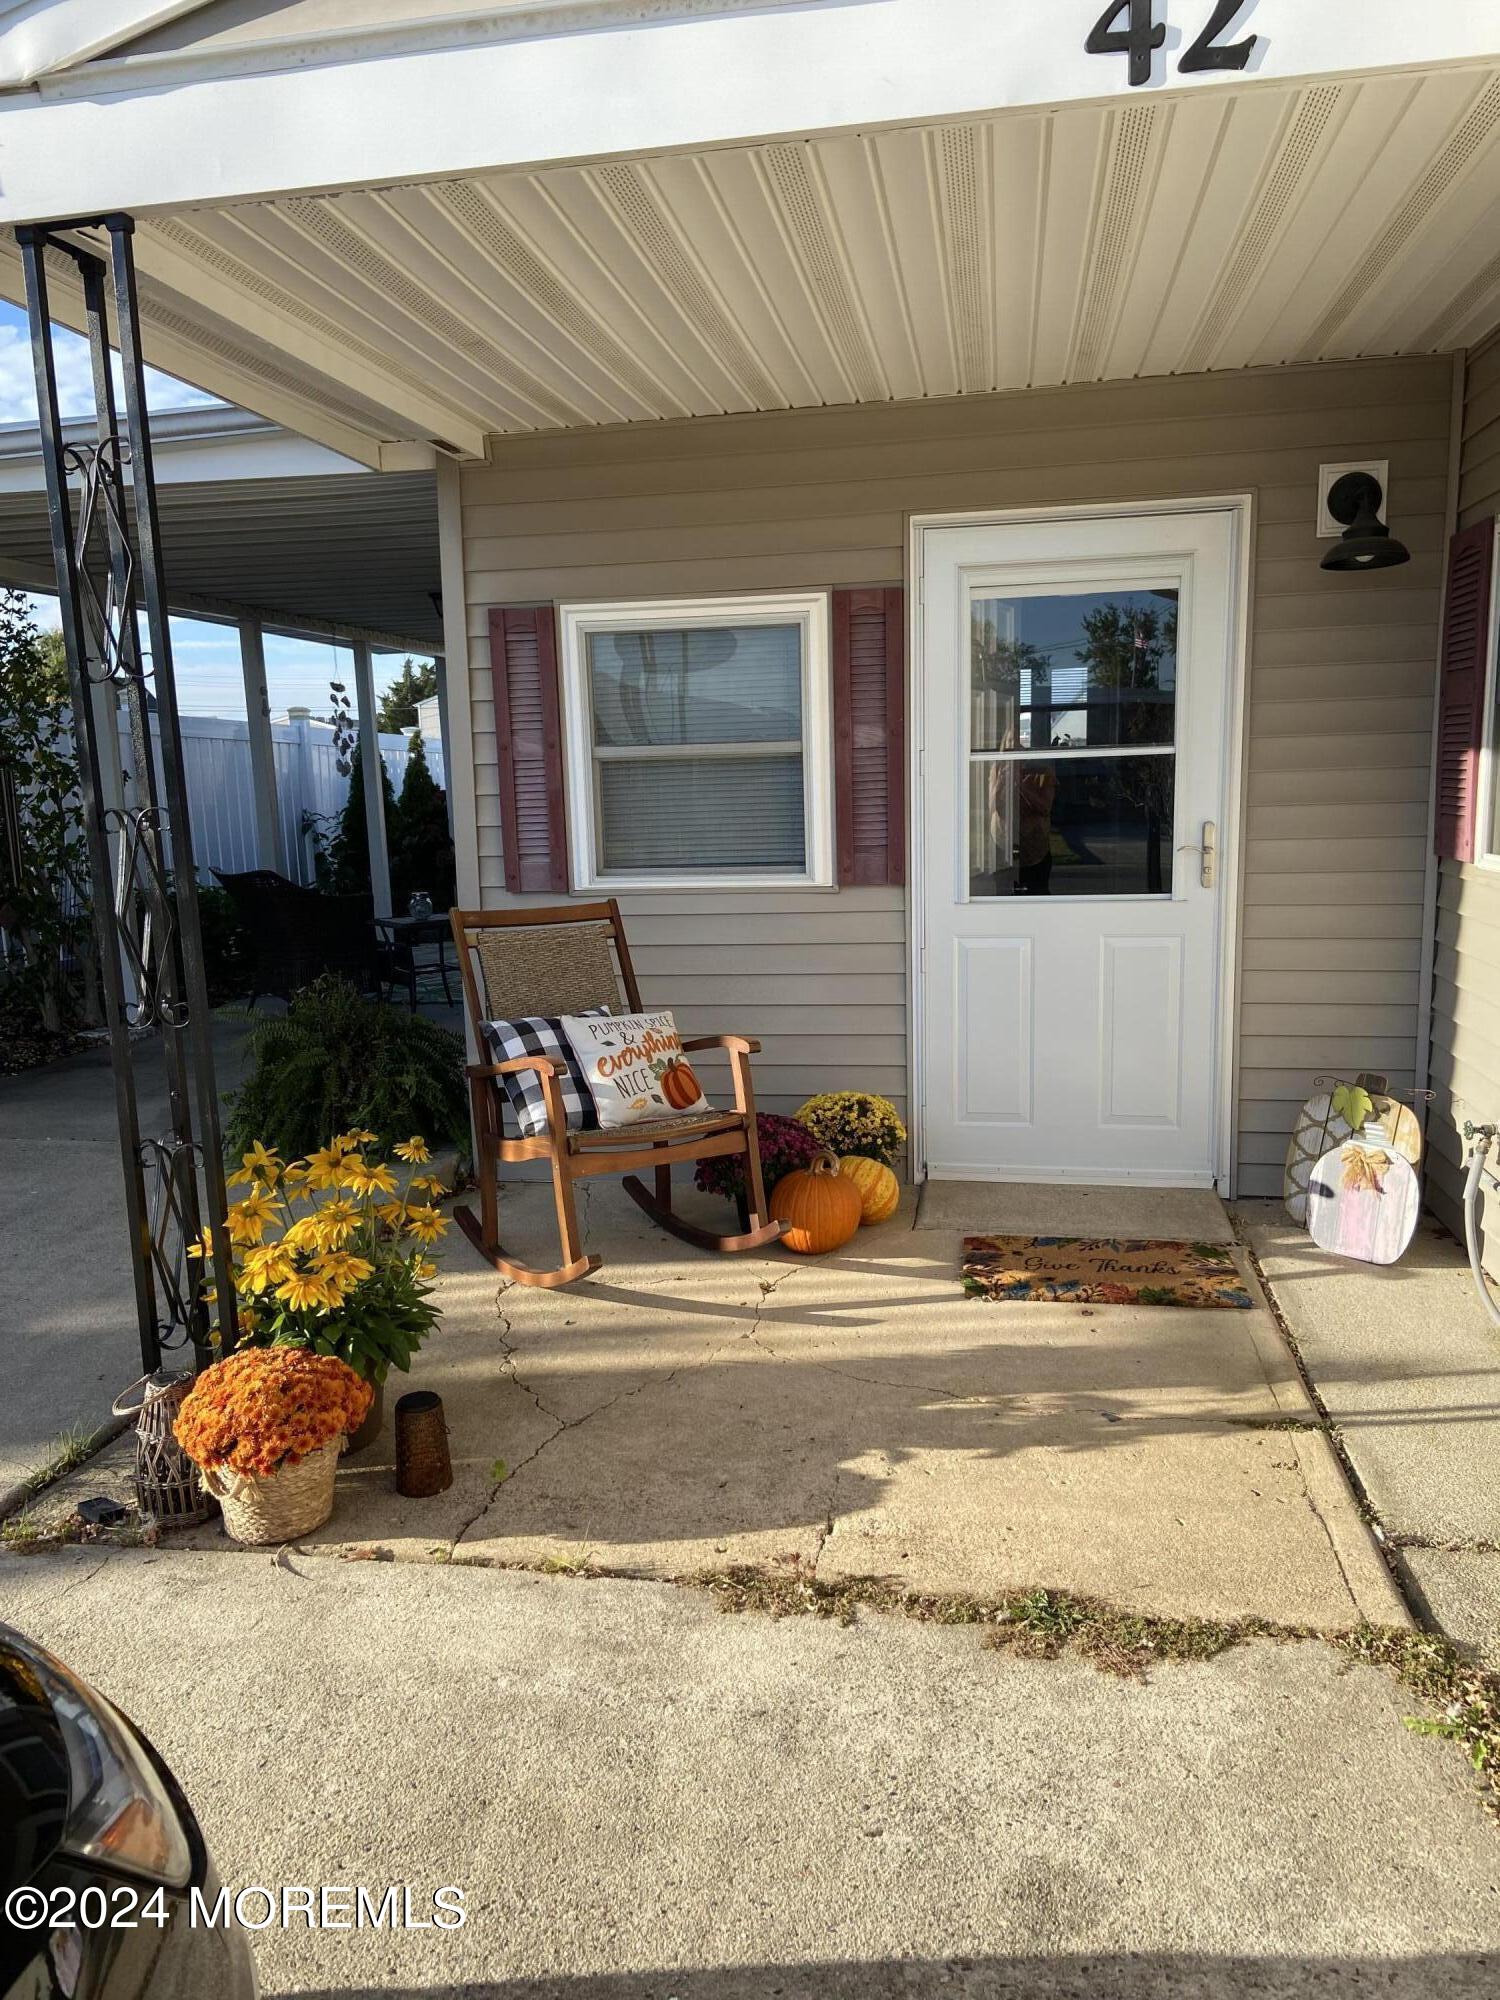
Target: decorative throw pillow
633 1067
537 1035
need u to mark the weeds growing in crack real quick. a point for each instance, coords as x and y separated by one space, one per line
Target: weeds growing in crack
1429 1665
1045 1624
28 1533
1038 1624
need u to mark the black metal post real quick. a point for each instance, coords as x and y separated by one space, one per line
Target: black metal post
150 911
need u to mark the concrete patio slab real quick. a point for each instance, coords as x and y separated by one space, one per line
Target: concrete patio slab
861 1414
1009 1208
641 1798
1408 1367
68 1341
1460 1590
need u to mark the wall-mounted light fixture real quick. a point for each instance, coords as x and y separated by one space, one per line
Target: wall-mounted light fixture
1355 502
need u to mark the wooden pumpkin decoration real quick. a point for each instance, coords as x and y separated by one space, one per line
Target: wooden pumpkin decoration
679 1086
821 1208
879 1190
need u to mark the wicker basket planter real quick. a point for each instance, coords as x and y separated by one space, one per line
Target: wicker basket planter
289 1503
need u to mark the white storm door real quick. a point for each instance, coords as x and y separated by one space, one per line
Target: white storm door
1075 679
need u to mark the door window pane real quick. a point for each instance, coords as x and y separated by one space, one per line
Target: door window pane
1076 826
1079 670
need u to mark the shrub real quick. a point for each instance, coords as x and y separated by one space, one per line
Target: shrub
784 1146
45 888
420 842
335 1062
349 848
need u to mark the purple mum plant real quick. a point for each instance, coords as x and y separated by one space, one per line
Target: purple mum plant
784 1146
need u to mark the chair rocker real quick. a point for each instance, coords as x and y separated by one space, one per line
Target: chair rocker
566 960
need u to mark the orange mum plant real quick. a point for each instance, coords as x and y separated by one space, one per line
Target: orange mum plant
267 1407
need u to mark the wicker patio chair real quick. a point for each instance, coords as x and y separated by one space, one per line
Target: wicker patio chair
294 934
564 961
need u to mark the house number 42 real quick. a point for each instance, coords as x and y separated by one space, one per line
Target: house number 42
1127 29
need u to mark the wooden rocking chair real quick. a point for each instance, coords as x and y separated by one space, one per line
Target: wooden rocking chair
566 960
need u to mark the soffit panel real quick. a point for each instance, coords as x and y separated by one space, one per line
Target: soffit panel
1149 236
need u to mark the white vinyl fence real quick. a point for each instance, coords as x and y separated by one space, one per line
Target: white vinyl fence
221 792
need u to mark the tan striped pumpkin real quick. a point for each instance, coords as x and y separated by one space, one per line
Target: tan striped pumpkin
879 1190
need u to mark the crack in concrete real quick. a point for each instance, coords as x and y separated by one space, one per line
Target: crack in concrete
1363 1503
563 1424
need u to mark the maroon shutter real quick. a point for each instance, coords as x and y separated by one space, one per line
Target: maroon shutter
1461 689
528 747
869 735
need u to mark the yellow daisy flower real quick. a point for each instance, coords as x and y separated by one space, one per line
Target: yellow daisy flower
392 1213
295 1176
248 1218
426 1224
344 1268
413 1150
204 1247
259 1164
349 1142
432 1183
303 1289
323 1168
267 1264
425 1268
365 1178
303 1234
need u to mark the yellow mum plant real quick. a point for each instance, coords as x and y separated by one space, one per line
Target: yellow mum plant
855 1122
329 1253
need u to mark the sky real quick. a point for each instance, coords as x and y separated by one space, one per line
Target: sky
206 656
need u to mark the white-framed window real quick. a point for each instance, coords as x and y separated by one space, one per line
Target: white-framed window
1487 827
699 753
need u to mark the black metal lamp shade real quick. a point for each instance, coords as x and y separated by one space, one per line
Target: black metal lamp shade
1366 543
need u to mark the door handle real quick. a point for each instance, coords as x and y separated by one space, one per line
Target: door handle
1208 854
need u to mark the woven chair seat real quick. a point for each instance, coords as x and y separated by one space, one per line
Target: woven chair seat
649 1130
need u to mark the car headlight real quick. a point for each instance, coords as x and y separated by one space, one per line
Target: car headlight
120 1814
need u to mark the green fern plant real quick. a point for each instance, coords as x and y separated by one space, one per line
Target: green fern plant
335 1062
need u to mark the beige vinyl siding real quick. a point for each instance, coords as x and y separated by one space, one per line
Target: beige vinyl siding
1466 986
1339 701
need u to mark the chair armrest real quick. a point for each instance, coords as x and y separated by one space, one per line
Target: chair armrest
743 1045
543 1065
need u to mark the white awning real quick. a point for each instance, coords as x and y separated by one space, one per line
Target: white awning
257 523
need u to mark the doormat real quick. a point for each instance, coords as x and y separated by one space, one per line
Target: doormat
1102 1271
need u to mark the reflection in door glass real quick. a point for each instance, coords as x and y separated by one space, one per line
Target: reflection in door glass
1088 670
1071 826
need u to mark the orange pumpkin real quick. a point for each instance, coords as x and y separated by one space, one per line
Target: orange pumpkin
821 1208
679 1086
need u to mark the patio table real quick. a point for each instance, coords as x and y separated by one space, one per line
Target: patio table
400 939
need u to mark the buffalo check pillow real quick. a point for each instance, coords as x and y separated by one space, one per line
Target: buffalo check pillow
536 1035
633 1067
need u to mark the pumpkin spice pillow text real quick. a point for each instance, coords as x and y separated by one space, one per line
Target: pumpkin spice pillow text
634 1067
